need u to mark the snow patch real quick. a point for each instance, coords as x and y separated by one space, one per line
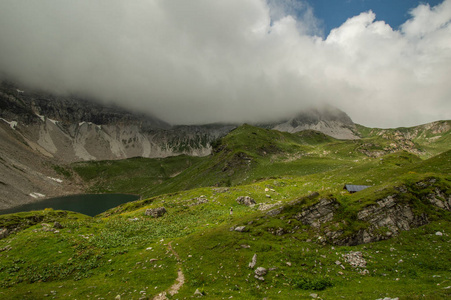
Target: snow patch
89 123
41 117
12 124
55 179
37 195
53 121
19 91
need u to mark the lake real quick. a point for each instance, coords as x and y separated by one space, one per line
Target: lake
88 204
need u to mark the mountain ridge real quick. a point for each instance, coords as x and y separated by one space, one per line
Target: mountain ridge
70 123
36 147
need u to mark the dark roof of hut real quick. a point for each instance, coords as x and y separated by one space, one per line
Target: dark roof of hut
352 188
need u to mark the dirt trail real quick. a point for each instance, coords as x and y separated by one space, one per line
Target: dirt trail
174 289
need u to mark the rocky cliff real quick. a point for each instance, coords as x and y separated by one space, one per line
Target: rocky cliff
71 129
407 206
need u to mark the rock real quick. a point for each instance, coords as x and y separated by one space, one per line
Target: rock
314 295
355 259
156 212
260 271
3 233
240 228
319 213
57 225
198 293
364 272
200 200
438 233
245 246
288 263
118 297
253 262
274 212
259 278
245 200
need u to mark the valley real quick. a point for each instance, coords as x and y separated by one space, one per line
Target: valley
243 212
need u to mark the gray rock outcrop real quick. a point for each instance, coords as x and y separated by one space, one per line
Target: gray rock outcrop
319 213
245 200
155 212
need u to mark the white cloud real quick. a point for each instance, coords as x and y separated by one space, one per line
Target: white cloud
237 60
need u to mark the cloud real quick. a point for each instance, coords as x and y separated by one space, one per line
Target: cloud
203 61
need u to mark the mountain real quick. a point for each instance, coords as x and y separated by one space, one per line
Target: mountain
283 227
73 129
327 119
43 133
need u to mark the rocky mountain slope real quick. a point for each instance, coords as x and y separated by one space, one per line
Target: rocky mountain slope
73 129
40 132
328 120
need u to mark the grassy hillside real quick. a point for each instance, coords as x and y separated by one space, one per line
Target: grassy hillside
301 228
248 154
428 139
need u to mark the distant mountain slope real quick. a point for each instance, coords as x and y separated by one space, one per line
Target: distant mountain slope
425 140
72 129
42 133
27 175
327 119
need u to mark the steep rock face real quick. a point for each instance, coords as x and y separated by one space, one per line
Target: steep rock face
73 129
388 217
26 176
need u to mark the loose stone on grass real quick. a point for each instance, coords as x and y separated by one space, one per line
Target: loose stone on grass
253 262
240 228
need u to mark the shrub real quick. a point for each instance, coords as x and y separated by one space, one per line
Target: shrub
316 284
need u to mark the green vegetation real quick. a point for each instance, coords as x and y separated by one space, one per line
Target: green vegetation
125 252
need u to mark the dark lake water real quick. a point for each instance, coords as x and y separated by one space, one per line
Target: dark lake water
88 204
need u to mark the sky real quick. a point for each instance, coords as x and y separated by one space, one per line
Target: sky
385 63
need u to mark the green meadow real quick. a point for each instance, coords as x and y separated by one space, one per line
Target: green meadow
125 254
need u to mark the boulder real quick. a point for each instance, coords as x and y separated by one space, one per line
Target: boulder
156 212
198 293
57 225
240 228
245 200
253 262
260 271
3 233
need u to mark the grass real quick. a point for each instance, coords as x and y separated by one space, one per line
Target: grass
124 252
